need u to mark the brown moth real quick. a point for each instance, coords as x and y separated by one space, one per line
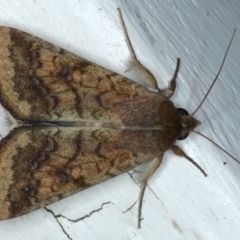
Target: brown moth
75 124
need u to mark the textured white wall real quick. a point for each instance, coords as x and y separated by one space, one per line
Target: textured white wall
179 203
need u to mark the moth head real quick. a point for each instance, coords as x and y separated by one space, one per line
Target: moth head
188 123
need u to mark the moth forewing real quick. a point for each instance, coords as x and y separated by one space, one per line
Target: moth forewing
44 164
78 124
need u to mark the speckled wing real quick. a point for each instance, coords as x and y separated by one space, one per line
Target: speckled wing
41 165
42 82
79 124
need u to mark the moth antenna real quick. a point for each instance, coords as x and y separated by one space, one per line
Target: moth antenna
219 71
217 146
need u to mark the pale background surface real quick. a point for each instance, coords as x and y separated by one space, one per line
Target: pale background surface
179 203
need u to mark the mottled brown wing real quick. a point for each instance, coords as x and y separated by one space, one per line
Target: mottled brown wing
106 124
42 82
42 165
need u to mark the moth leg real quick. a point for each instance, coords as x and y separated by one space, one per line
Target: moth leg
179 152
152 167
133 63
168 92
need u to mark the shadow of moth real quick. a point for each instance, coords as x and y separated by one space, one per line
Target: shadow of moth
75 124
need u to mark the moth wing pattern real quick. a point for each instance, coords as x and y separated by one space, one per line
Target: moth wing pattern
77 124
41 165
51 84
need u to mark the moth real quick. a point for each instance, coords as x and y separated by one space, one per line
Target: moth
75 124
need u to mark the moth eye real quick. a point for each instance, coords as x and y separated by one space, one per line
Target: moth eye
182 137
183 112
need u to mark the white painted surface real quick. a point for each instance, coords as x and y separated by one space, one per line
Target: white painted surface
196 31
